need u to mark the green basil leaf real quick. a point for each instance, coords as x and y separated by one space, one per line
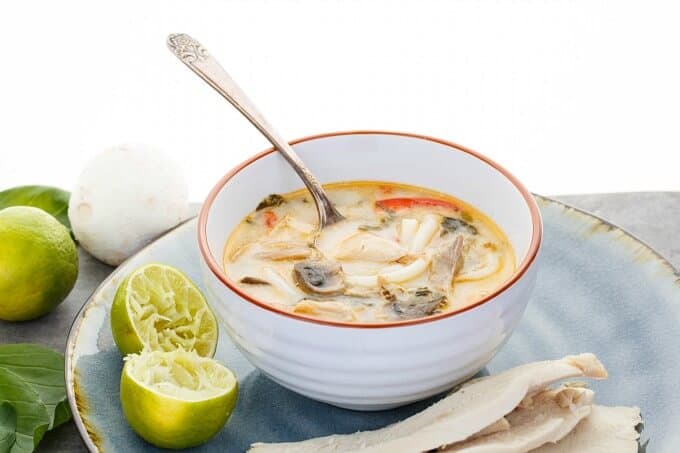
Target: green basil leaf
62 414
50 199
8 426
31 414
42 369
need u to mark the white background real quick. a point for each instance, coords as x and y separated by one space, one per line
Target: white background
572 96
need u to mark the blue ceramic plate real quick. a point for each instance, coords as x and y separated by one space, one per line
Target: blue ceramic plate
599 290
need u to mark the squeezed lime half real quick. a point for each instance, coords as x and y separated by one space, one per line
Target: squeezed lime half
158 308
176 399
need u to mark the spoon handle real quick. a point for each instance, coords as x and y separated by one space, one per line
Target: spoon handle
196 57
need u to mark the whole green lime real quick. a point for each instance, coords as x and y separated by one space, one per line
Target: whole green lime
38 263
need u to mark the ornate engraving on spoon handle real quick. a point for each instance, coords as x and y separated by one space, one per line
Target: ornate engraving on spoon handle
186 48
196 57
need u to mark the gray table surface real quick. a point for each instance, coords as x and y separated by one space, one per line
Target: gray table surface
654 217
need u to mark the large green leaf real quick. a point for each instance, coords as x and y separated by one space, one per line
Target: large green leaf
8 426
42 369
50 199
31 415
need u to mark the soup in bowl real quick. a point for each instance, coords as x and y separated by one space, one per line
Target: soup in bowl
415 291
403 252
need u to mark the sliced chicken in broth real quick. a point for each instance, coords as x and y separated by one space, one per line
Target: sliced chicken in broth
404 252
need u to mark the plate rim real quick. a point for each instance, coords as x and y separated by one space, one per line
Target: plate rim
69 365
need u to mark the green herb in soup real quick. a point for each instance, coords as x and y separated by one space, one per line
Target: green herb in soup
403 252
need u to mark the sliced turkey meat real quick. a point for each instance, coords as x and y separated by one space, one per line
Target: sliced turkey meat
606 430
477 405
548 417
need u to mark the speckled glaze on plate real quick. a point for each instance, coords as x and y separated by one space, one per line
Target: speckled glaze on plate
599 289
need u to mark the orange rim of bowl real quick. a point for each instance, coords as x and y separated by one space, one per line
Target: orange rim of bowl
215 268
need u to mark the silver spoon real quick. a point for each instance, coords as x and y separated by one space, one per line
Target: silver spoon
196 57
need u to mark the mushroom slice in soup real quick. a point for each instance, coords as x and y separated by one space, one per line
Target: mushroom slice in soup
319 277
370 247
413 303
444 264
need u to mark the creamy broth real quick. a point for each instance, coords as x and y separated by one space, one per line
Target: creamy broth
404 252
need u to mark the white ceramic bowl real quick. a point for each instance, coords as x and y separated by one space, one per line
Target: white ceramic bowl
372 366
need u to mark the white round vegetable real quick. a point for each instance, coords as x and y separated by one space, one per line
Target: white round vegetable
125 197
